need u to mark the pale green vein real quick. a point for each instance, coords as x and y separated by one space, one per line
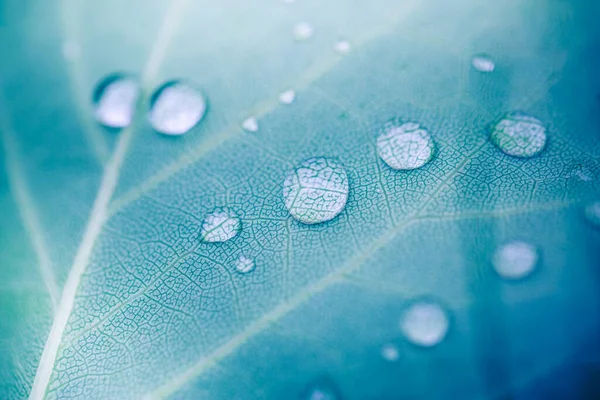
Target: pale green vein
354 263
311 75
26 207
99 213
69 13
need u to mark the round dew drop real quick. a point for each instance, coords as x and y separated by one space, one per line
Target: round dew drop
425 324
114 101
483 63
405 146
219 226
316 191
515 260
519 135
244 265
390 353
175 108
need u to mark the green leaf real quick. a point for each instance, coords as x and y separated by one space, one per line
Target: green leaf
108 291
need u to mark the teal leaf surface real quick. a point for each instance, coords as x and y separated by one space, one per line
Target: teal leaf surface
108 290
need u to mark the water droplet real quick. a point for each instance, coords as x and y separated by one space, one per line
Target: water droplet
176 108
287 97
316 191
515 260
389 352
342 47
592 213
425 324
244 265
519 135
324 389
303 31
114 101
219 226
250 124
483 63
405 146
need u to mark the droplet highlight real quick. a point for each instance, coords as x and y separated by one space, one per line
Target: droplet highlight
425 324
244 265
175 108
114 101
390 353
515 260
592 213
342 47
219 226
303 31
519 135
483 63
250 124
405 146
316 191
287 97
323 389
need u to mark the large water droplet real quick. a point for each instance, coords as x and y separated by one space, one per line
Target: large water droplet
244 265
425 324
389 352
114 101
176 108
405 146
592 213
483 63
515 260
219 226
519 135
316 191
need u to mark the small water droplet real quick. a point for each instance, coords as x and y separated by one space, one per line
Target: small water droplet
219 226
515 260
287 97
244 265
71 50
425 324
250 124
303 31
114 101
324 389
176 108
519 135
389 352
405 146
342 47
316 191
592 213
483 63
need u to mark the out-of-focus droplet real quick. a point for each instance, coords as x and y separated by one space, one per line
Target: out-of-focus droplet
342 47
592 213
389 352
250 124
483 63
175 108
303 31
316 191
114 101
425 324
515 260
287 97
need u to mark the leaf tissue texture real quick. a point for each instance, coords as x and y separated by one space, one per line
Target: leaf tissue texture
108 289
